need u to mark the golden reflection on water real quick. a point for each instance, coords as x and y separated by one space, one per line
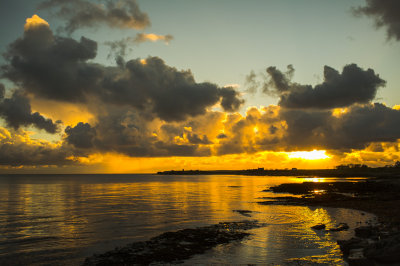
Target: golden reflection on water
75 216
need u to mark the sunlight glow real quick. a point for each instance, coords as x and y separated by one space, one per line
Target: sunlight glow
152 37
309 155
34 21
338 112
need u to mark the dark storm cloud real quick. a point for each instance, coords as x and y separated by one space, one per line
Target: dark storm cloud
81 136
57 68
82 13
230 99
353 85
52 67
278 80
386 14
16 111
170 94
306 128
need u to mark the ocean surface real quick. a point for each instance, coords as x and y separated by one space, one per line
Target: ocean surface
62 219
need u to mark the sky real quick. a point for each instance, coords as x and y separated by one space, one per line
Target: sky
96 86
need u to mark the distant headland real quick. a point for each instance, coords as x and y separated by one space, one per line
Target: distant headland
349 170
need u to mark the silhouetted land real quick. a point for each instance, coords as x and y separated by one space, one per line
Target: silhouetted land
390 172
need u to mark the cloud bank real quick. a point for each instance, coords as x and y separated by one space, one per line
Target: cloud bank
143 107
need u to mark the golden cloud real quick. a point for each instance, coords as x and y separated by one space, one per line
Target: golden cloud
145 37
34 22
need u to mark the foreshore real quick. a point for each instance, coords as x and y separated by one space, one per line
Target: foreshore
174 247
373 244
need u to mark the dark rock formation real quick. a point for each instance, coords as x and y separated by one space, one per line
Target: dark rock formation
318 227
174 246
244 212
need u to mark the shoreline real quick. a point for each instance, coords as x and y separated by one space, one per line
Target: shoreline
373 243
379 172
376 196
175 247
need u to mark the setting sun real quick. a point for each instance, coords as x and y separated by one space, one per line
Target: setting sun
309 155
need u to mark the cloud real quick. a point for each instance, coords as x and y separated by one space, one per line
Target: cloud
354 129
386 14
58 68
18 149
82 13
353 85
151 37
146 108
2 90
169 94
119 48
251 82
81 136
35 21
278 80
282 129
230 99
125 132
52 67
17 112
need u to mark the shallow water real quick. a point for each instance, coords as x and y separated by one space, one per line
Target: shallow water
61 219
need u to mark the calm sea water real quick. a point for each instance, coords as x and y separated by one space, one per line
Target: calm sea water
61 219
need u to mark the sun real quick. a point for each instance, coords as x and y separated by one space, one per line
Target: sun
309 155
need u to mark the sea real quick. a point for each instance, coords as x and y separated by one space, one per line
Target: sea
62 219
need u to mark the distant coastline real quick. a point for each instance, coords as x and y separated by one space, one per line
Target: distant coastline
393 172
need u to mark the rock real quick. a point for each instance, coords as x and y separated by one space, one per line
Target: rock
244 212
172 247
386 250
353 243
365 231
357 258
318 227
340 227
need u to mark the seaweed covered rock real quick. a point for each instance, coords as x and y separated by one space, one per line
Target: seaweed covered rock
174 246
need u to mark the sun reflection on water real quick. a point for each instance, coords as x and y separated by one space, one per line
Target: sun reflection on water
73 217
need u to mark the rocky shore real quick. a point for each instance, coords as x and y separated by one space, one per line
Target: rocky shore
372 245
173 247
